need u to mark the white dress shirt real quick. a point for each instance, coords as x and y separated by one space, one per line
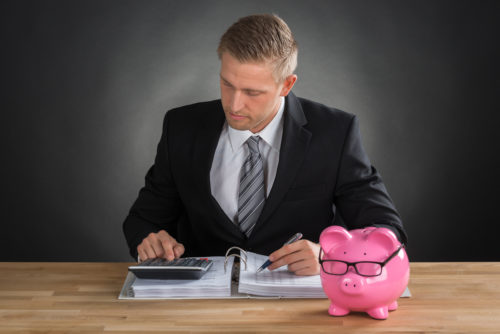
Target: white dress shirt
232 151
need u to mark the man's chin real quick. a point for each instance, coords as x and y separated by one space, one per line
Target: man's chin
238 126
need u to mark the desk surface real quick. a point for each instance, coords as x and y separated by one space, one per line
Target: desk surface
82 298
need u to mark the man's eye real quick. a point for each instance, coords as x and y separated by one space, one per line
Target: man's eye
251 93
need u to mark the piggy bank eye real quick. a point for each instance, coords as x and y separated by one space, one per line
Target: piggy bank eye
364 253
345 252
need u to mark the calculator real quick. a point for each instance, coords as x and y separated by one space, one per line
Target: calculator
183 268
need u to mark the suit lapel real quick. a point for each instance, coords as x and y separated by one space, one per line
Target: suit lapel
294 145
206 144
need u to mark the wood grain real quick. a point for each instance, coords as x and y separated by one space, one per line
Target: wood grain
82 298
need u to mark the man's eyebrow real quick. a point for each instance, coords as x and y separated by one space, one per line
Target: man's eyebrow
245 89
252 90
223 79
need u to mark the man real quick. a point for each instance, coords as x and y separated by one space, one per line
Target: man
257 166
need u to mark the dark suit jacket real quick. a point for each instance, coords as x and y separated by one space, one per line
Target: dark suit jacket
323 174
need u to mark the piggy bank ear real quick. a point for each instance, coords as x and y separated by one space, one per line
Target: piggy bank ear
384 237
332 236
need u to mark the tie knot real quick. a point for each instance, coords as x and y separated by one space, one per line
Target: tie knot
253 144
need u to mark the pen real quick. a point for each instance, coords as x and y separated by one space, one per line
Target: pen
266 264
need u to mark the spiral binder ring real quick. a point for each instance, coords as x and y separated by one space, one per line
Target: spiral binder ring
242 258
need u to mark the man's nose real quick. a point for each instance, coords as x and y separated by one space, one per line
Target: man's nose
237 102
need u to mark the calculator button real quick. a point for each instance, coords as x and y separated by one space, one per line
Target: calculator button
146 263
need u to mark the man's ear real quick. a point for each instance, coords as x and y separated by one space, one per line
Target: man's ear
288 84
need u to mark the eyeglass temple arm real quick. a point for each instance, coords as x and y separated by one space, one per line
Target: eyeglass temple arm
393 254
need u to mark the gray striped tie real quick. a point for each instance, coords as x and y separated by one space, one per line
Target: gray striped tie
252 191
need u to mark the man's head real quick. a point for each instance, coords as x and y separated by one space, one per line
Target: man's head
258 56
262 38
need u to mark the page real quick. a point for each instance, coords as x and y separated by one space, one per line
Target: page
279 282
215 283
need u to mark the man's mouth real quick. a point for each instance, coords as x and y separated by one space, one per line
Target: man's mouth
236 117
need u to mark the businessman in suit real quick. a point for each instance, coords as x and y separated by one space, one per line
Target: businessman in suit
258 165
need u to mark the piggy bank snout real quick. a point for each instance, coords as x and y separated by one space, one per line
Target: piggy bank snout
352 285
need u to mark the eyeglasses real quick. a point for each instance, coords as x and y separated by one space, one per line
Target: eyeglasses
363 268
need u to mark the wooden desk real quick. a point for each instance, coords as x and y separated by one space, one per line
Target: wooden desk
82 298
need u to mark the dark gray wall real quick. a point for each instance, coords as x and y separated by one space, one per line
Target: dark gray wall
85 85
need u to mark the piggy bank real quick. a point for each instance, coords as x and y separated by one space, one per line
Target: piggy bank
364 270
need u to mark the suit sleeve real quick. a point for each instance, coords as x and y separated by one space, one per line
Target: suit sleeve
158 206
360 195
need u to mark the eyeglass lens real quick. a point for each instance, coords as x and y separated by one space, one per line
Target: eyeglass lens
363 268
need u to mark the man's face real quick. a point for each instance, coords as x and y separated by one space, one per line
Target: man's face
250 95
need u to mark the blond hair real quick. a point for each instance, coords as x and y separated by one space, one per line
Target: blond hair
262 38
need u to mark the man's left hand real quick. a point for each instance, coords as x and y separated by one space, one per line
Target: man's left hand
300 256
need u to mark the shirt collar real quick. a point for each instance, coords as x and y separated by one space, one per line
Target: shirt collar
271 134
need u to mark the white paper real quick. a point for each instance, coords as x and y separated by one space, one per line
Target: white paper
215 283
279 282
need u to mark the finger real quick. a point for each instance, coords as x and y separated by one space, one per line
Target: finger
168 249
308 266
168 244
308 263
278 254
283 256
156 245
300 251
308 271
178 250
146 247
286 260
287 249
142 254
162 244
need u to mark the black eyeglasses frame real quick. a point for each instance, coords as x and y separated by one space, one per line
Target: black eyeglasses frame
353 264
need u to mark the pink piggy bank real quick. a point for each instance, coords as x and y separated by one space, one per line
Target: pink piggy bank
362 270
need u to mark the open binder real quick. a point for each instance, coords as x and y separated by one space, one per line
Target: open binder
228 279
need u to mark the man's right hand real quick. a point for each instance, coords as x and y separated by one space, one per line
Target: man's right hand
160 244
